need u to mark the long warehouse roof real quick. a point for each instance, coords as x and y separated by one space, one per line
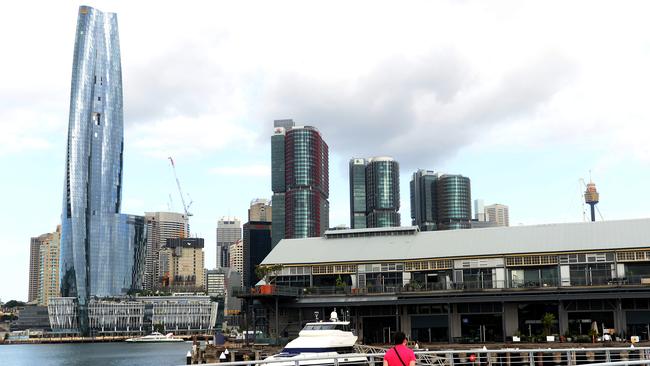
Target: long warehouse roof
492 241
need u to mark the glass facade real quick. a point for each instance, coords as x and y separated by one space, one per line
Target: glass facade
300 182
306 209
382 193
257 245
454 201
277 160
278 224
101 253
424 210
357 193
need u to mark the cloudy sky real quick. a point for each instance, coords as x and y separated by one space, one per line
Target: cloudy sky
525 98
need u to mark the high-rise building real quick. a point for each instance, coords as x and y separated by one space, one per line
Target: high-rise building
228 232
300 181
44 267
380 176
160 227
220 282
479 211
181 264
49 267
35 266
256 246
498 214
454 201
357 193
100 248
237 256
260 210
424 209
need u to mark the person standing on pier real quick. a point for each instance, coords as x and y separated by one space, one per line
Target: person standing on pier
400 354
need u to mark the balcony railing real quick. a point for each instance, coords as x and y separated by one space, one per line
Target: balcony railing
469 286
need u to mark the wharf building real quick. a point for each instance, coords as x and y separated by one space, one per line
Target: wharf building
228 232
102 250
440 201
299 180
181 314
160 227
181 265
480 285
374 193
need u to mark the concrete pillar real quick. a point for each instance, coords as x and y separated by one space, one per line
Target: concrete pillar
563 318
405 321
510 319
454 322
620 321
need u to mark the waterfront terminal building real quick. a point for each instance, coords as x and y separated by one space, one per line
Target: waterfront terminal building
479 285
182 314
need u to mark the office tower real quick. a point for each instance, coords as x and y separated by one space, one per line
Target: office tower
260 210
35 266
220 282
357 193
479 211
374 192
382 192
49 267
498 214
278 177
228 232
216 281
236 257
160 227
99 246
181 264
454 201
424 209
256 246
300 181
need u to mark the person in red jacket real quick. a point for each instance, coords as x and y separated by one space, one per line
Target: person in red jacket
400 354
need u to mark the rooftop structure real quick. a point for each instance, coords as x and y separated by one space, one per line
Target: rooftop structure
477 242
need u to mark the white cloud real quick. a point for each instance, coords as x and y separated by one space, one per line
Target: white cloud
186 136
255 170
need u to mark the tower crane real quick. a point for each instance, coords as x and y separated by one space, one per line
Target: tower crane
180 191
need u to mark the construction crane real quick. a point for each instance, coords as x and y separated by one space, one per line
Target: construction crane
180 191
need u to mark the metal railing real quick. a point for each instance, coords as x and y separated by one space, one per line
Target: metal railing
485 357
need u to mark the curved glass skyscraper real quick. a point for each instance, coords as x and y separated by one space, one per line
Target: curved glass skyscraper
374 192
382 190
307 183
102 251
454 201
300 181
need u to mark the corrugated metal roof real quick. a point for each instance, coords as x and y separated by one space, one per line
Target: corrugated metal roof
463 243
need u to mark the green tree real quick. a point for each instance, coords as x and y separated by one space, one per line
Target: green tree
548 320
14 303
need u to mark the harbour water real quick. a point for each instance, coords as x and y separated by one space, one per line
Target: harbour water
91 354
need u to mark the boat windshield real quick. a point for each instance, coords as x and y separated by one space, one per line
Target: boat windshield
342 327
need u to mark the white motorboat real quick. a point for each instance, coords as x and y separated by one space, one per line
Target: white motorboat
321 339
155 337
